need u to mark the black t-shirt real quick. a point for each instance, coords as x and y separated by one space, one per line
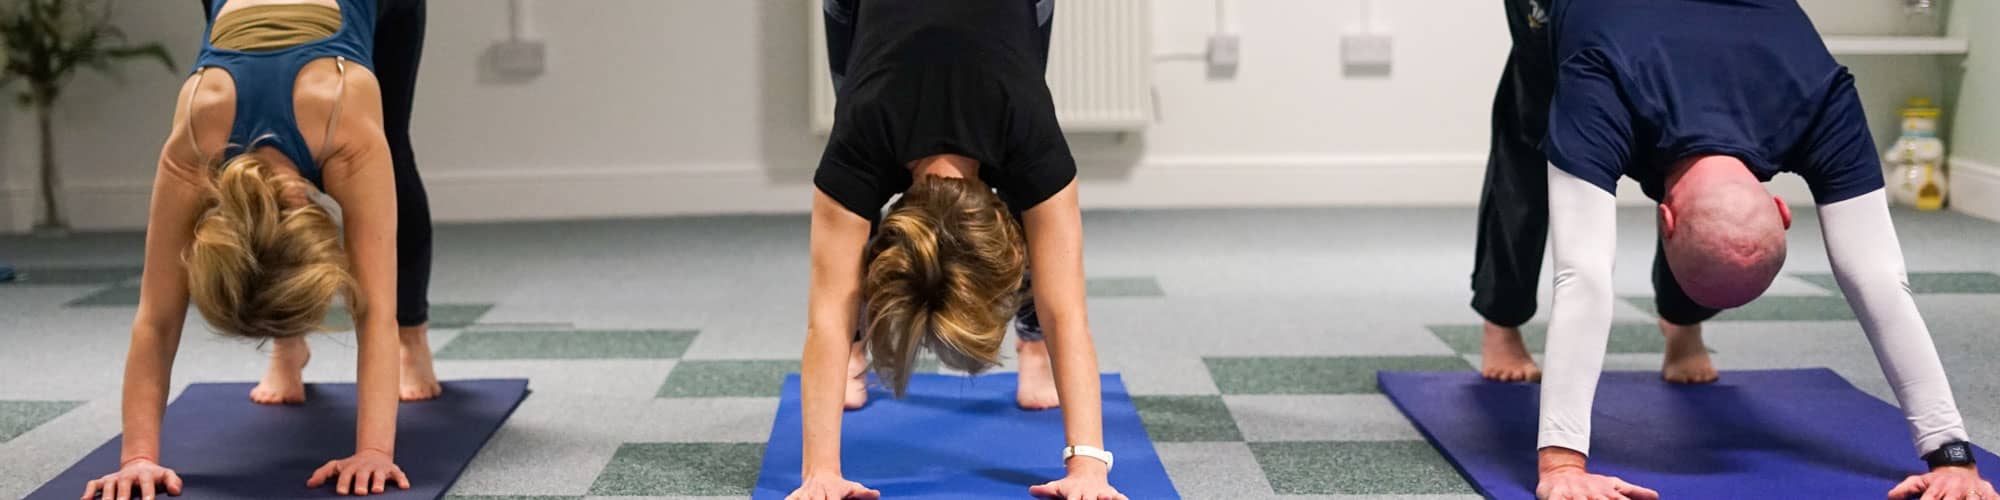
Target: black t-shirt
929 77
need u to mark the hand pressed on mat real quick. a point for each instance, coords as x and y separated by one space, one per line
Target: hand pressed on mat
1088 480
1946 483
368 471
140 476
832 488
1564 478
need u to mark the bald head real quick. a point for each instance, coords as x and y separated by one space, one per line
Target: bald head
1725 235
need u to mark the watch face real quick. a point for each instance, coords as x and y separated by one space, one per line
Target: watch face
1958 454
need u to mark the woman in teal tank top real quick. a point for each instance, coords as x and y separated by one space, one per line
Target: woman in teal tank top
263 135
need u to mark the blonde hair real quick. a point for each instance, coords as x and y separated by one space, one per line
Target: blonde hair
258 270
943 272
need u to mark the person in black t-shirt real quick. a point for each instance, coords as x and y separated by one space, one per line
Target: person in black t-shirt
944 103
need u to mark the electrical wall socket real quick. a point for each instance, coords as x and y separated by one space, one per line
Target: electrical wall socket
519 58
1225 52
1367 53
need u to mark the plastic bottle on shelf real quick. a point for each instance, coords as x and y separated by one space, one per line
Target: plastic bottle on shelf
1914 164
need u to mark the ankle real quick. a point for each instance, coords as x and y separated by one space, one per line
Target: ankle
290 348
1676 331
1503 332
1037 347
414 335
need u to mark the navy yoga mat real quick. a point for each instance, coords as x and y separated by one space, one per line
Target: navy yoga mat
961 437
226 447
1753 434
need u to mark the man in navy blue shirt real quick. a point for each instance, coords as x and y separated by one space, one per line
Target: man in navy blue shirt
1700 111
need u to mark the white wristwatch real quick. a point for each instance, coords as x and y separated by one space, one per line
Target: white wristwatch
1088 451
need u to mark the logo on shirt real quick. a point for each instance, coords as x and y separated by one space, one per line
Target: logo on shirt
1537 16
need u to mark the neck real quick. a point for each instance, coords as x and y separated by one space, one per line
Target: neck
946 165
280 167
1706 168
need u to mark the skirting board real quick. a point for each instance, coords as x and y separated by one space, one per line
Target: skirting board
1975 188
651 191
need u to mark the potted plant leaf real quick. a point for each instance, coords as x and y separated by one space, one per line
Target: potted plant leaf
42 44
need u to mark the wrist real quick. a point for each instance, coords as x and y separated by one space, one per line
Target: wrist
1558 460
1967 468
1082 466
128 461
383 452
815 470
1952 454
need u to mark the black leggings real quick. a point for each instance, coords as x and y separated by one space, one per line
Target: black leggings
399 48
1514 207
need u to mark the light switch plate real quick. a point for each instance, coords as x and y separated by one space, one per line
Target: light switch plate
519 58
1367 52
1225 53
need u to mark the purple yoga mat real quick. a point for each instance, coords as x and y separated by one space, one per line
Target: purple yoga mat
1805 434
226 447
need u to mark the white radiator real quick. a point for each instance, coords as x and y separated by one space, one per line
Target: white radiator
1100 66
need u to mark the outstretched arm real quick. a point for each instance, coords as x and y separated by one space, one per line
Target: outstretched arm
358 175
1583 227
163 302
1868 263
1055 251
838 239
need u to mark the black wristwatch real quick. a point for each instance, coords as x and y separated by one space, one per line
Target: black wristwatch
1955 453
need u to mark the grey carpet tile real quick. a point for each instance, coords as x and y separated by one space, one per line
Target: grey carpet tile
1926 282
567 344
19 417
72 275
1317 375
681 469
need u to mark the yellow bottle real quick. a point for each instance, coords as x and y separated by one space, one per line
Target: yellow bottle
1914 162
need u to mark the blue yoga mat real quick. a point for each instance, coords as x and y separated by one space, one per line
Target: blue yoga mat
1753 434
961 437
224 446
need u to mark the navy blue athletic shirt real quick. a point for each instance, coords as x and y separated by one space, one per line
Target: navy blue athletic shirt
1642 84
264 82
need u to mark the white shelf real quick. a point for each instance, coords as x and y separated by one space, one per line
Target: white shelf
1897 45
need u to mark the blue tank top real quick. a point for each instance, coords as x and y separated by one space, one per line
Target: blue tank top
264 82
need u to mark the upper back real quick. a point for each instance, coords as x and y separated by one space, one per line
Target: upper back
999 34
274 91
1740 77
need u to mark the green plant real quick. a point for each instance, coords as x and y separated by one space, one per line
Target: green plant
42 44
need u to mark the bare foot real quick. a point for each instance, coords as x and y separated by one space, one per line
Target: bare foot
420 380
1505 356
1687 357
284 382
1038 379
857 378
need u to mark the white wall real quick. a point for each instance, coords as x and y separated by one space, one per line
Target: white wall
1976 123
1975 139
685 106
